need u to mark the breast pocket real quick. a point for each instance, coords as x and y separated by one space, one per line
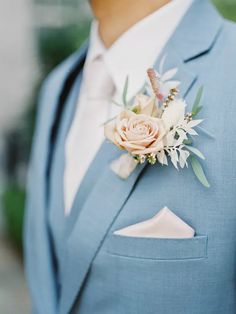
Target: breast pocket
158 248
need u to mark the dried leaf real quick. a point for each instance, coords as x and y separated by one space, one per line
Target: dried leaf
169 74
194 123
191 131
183 156
174 157
161 156
161 67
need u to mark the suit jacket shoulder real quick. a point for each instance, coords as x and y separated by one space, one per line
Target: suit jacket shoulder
227 45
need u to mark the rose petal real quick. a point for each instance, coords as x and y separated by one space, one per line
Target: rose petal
154 148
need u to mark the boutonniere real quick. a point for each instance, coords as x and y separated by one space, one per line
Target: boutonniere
156 128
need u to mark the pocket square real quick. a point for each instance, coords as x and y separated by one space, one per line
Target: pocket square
163 225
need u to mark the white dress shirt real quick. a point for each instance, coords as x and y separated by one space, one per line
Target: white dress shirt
105 72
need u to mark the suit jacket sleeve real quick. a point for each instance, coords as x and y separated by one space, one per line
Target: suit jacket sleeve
39 266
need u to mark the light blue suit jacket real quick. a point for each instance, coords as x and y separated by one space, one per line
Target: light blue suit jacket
77 264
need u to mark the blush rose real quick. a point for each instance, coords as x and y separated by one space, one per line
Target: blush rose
139 134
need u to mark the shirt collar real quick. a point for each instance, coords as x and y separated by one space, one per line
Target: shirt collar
137 49
96 46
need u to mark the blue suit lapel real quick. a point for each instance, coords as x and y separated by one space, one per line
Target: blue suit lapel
104 156
94 221
57 220
191 39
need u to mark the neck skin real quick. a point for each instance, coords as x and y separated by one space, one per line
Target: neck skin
117 16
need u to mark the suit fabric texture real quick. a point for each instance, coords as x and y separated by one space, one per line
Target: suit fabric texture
76 264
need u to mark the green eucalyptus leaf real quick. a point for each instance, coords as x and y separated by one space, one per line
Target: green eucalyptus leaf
198 171
187 142
195 151
197 99
124 96
196 111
